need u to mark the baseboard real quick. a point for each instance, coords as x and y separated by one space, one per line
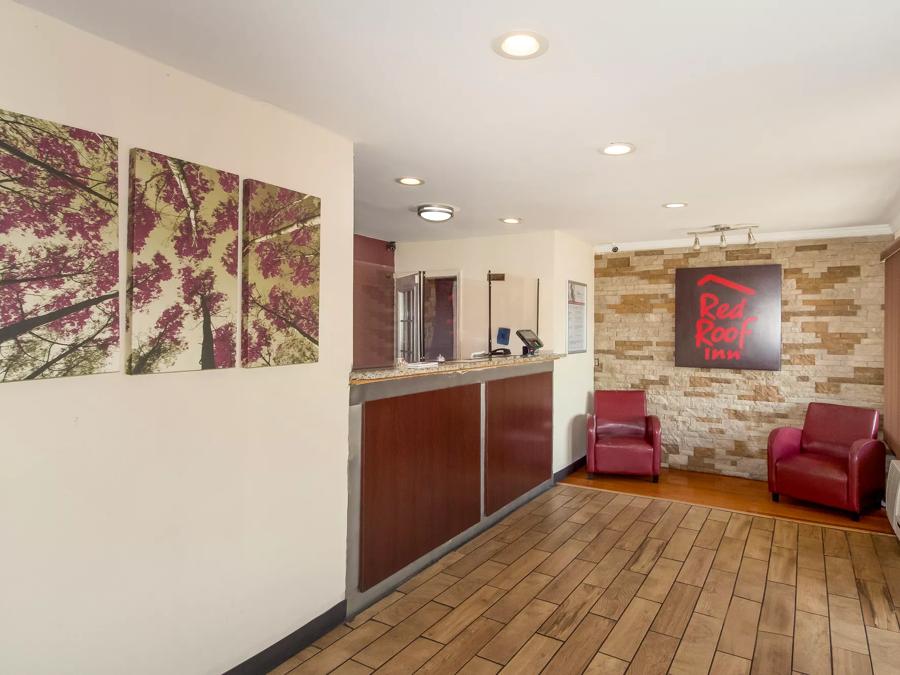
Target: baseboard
300 639
572 468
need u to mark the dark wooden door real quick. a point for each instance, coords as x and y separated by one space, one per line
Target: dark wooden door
421 476
519 437
891 259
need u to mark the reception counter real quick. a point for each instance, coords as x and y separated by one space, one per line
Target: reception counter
437 455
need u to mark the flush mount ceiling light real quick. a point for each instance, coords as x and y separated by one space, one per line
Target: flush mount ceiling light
511 221
410 181
520 45
674 205
435 213
618 148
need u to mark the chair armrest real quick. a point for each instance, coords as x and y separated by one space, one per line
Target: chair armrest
654 438
865 471
591 440
783 442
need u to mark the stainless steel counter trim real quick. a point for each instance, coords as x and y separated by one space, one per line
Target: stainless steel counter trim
373 391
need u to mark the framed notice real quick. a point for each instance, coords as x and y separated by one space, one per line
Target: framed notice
728 317
576 341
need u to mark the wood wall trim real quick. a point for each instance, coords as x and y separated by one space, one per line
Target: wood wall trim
891 250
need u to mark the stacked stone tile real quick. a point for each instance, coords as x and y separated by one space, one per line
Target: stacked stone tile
718 420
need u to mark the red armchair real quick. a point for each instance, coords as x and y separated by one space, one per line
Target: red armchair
834 460
621 436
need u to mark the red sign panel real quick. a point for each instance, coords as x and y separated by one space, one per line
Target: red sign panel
728 317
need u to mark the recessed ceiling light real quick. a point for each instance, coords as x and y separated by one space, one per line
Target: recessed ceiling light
410 180
618 148
520 45
511 221
436 213
675 205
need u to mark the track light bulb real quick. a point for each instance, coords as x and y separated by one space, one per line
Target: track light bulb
751 238
722 241
696 245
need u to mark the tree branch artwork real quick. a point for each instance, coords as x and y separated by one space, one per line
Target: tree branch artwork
59 250
183 224
281 276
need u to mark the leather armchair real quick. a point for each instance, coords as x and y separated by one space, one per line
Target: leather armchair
835 459
621 437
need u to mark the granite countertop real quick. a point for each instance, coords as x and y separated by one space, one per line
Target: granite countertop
369 375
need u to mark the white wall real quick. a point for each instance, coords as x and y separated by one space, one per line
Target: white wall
555 258
174 523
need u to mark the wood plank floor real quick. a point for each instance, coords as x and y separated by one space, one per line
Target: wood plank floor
581 580
729 492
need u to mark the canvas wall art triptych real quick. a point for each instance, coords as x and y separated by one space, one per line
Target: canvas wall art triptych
59 260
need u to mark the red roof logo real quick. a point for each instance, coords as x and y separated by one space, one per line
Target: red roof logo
715 278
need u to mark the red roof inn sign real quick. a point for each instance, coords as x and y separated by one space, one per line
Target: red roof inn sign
728 317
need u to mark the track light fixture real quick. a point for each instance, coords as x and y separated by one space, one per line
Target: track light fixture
721 230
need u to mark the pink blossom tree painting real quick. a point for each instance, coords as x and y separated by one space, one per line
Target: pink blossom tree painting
59 252
182 239
281 276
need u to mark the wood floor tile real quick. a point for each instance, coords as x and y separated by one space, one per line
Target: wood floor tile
619 595
480 666
574 656
696 566
716 594
608 568
729 554
654 655
728 664
751 579
604 664
400 636
580 580
517 597
698 647
566 581
600 545
777 614
812 644
470 583
532 658
884 646
812 591
839 573
783 565
658 583
626 636
675 613
517 632
342 649
739 632
462 648
459 618
877 608
412 658
566 618
679 544
846 662
847 628
773 654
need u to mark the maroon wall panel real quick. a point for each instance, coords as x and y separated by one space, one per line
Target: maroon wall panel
519 437
421 484
373 303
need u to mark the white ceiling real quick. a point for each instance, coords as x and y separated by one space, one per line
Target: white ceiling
781 113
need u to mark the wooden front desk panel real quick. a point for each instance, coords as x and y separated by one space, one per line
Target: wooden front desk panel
519 437
420 476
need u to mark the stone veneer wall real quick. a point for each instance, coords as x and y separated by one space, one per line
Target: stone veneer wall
718 420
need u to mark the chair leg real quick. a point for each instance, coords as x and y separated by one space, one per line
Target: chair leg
775 496
655 479
855 516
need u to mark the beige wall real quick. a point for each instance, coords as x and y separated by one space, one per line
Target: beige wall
550 255
174 523
718 420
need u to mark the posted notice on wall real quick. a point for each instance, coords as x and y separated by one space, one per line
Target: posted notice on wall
577 318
